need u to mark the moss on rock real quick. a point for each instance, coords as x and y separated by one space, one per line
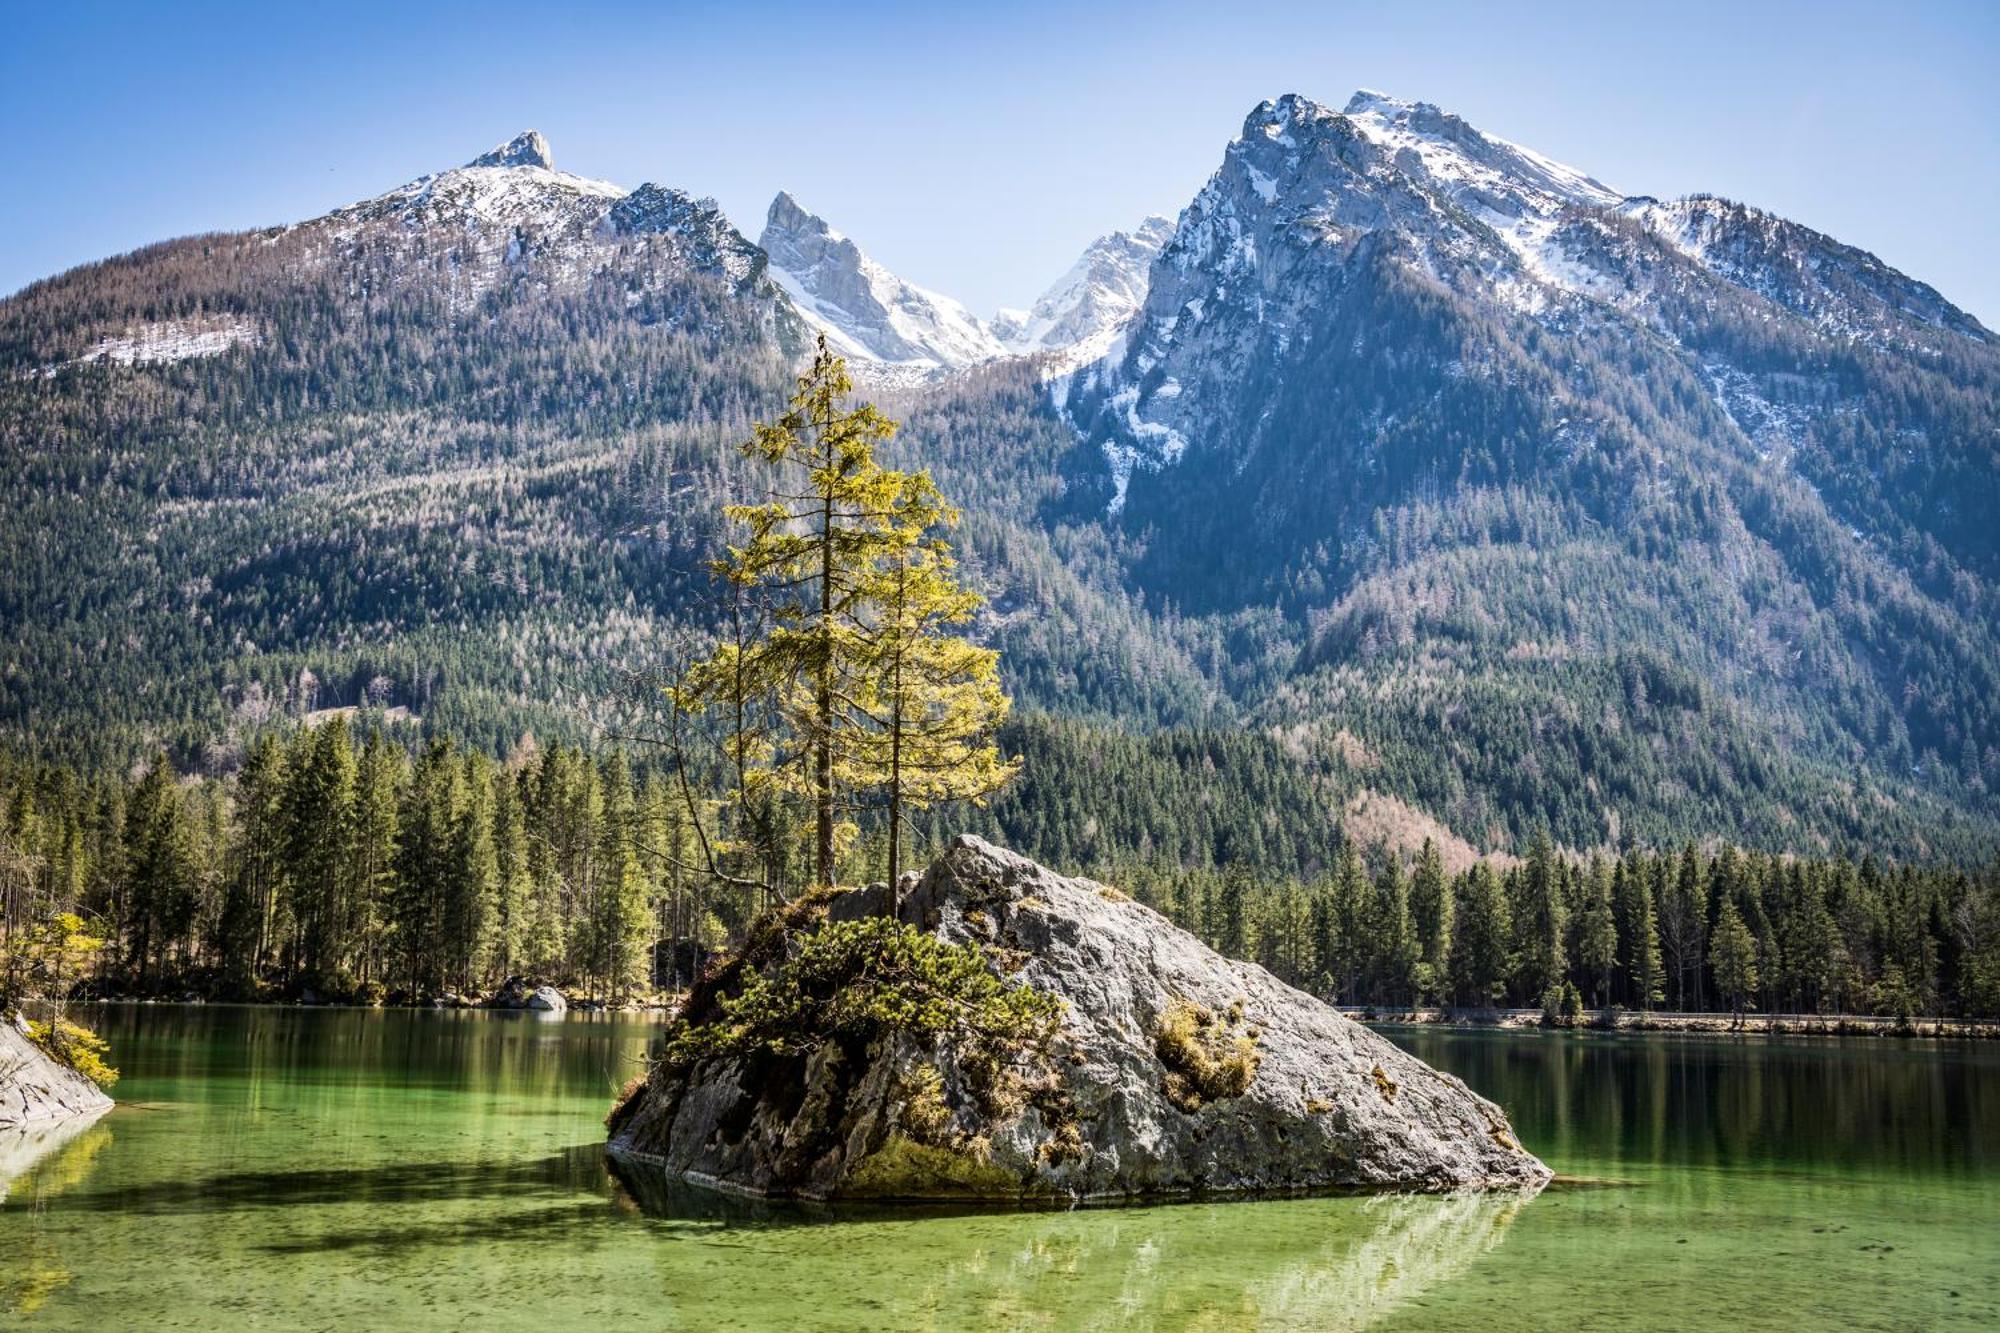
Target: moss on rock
903 1168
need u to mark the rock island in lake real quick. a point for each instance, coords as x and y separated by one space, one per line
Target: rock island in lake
1168 1070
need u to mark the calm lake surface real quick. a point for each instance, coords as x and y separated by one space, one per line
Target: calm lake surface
277 1168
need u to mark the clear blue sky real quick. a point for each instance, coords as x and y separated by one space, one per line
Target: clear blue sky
976 153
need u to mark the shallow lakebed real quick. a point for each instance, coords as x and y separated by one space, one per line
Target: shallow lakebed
286 1168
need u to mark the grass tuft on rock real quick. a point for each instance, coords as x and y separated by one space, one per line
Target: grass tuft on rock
1205 1063
906 1169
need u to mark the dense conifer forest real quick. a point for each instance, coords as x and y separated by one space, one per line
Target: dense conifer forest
335 864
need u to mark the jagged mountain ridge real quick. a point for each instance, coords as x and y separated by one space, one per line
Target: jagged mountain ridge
865 310
1489 489
869 313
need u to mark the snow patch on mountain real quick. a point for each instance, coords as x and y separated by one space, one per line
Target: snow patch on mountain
1845 291
1450 152
509 215
171 340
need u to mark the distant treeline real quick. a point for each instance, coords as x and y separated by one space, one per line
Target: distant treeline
1687 931
336 861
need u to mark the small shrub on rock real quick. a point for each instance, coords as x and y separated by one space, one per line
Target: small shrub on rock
855 981
75 1045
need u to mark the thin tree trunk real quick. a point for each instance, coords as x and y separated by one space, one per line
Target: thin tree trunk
896 741
895 795
823 744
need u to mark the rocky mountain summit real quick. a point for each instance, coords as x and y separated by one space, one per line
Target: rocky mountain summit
865 310
1313 211
1173 1072
509 216
1083 312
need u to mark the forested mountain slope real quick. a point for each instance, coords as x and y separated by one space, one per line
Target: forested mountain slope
1628 481
1430 470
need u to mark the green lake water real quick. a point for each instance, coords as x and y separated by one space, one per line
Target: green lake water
280 1168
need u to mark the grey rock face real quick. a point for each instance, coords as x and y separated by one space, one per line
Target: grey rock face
1329 1104
548 1000
866 311
528 149
35 1090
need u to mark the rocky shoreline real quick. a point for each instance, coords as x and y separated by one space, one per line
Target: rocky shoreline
36 1090
1625 1020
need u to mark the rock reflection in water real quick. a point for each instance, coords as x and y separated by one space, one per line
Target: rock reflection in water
23 1146
1320 1263
1405 1245
39 1162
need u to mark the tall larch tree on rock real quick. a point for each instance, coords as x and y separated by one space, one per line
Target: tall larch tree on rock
870 692
939 693
814 543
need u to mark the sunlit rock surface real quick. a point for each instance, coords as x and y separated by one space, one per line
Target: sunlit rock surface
35 1090
1326 1103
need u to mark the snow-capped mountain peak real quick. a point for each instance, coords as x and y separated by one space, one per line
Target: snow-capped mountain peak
1451 150
514 184
866 311
1311 208
509 215
1084 311
527 149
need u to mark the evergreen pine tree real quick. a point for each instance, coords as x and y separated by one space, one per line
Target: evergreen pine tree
1597 931
1431 910
1394 937
377 802
472 877
1733 958
1479 957
1351 897
1540 923
319 833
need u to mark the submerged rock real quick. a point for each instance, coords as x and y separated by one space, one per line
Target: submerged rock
1176 1072
36 1090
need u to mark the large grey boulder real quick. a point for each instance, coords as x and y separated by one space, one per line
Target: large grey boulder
35 1090
547 1000
1136 1099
